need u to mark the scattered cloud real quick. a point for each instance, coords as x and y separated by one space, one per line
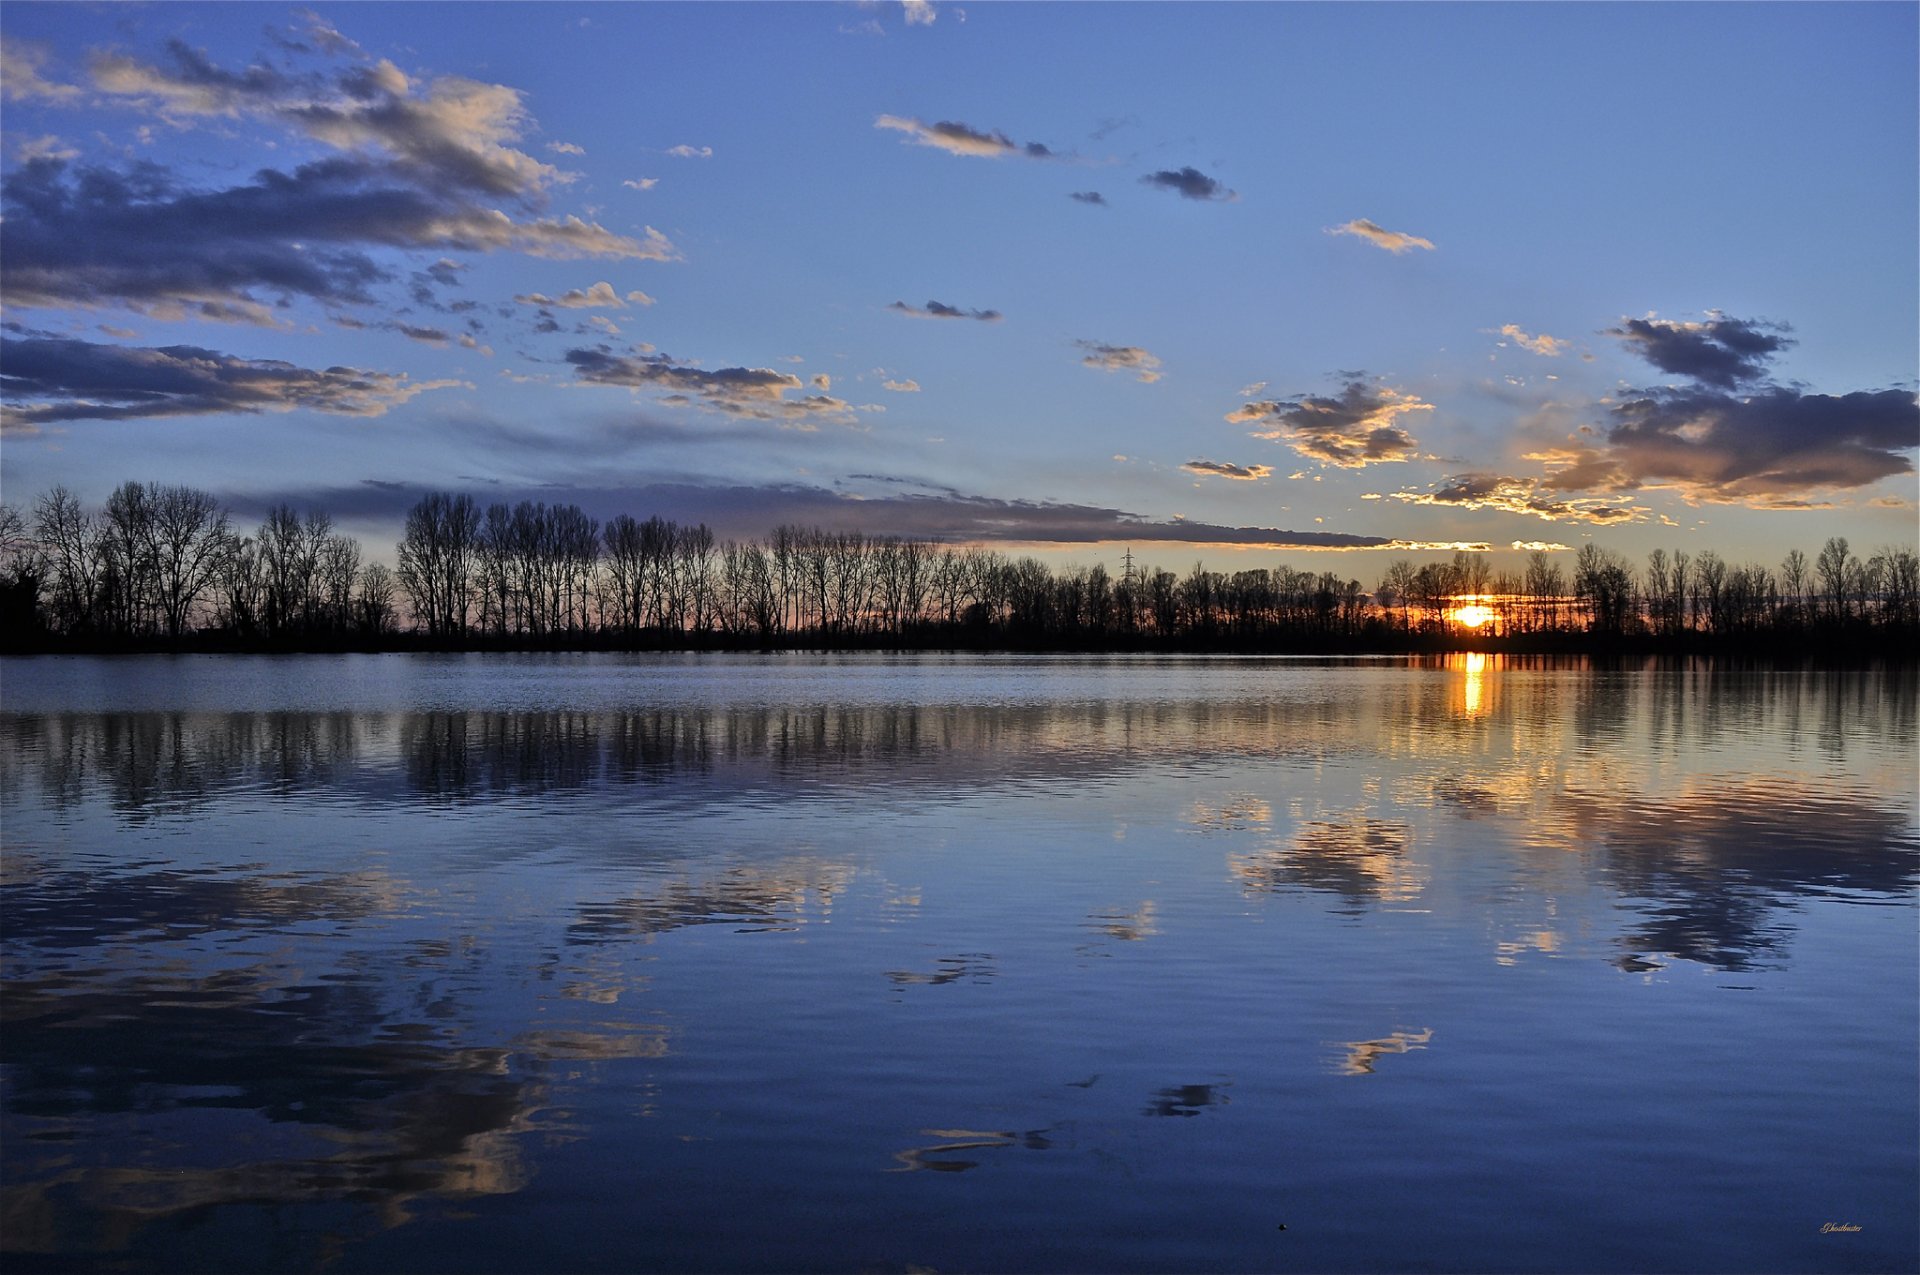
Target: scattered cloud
901 387
48 380
919 13
644 183
600 296
684 151
1520 496
752 393
1223 469
47 146
1550 346
1190 183
418 165
20 77
639 298
566 148
1090 197
956 138
1380 237
1719 351
1359 427
1121 358
941 310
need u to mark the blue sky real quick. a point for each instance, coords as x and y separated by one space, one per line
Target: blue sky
1230 282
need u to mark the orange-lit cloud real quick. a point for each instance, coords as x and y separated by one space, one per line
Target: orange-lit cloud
1224 469
1379 236
1359 427
1550 346
1520 496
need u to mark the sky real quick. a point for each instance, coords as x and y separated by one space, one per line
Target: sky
1245 283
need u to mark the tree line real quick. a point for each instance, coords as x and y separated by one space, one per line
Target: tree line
159 564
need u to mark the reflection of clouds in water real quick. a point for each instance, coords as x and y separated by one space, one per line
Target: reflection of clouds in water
973 967
1716 871
1361 1055
780 896
1358 857
1235 814
945 1155
1129 926
366 1107
1186 1100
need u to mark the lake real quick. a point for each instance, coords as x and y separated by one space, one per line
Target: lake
957 963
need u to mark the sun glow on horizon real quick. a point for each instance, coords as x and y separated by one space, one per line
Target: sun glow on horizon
1473 615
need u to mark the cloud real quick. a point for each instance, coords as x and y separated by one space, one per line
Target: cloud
426 336
1766 448
91 236
644 183
639 298
48 146
752 393
1360 427
684 151
1190 183
1719 351
941 310
1223 469
56 379
1090 197
1550 346
956 138
1731 437
566 148
1392 240
901 387
20 78
420 166
919 13
1121 358
600 296
1520 496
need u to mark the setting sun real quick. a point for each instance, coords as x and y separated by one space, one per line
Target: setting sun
1472 616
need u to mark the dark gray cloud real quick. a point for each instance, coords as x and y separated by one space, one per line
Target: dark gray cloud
1090 197
1121 358
755 393
1732 437
420 166
1226 469
1189 183
956 138
47 380
941 310
1768 446
139 238
1717 351
1359 427
943 515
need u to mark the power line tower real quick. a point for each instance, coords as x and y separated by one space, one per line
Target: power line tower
1126 576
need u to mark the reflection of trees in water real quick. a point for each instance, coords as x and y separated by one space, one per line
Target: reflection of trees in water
1358 857
155 763
138 1008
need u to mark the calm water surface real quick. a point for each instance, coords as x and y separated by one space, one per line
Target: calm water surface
806 963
